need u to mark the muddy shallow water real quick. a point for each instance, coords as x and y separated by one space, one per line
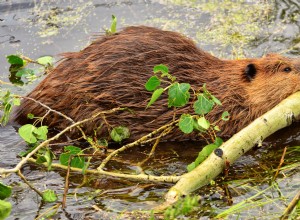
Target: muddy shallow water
38 28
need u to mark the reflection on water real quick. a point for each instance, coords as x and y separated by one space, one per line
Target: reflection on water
38 28
10 145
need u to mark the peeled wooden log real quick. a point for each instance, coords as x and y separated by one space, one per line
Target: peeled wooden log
277 118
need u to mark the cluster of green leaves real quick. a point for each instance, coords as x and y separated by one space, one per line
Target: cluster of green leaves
33 136
72 155
179 96
5 207
7 101
183 206
203 105
178 93
18 67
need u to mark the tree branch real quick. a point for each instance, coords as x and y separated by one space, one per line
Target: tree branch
277 118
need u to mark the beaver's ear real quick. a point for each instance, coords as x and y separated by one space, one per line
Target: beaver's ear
250 72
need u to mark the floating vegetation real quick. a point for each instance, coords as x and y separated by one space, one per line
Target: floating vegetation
51 19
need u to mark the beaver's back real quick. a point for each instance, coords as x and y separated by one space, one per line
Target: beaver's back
112 71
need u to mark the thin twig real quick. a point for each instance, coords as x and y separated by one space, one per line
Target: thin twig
140 164
144 177
291 206
280 163
135 143
54 111
47 211
29 184
64 200
165 132
6 83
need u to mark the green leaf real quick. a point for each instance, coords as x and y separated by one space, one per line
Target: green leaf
45 155
8 107
161 68
5 191
72 149
14 59
30 116
41 133
113 26
179 94
5 209
6 97
186 123
102 142
45 61
24 72
203 154
40 159
155 95
164 72
203 105
119 133
16 101
5 117
225 116
191 166
203 123
216 128
218 141
210 96
27 133
197 127
6 103
152 83
24 153
215 100
76 161
49 196
205 89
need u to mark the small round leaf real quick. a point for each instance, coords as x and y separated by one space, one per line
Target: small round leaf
49 196
225 116
119 133
27 133
14 59
179 94
203 105
152 83
202 122
186 123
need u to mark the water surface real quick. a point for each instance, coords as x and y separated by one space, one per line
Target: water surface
38 28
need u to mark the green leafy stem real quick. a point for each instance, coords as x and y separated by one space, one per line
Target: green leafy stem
179 96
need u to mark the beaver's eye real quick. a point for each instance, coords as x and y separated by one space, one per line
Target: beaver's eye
287 69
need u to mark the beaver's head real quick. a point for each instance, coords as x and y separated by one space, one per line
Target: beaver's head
269 80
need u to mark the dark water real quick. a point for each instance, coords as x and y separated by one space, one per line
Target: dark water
38 28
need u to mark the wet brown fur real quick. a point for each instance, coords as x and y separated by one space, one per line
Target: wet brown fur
112 71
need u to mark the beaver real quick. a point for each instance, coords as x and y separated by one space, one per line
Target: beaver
112 71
